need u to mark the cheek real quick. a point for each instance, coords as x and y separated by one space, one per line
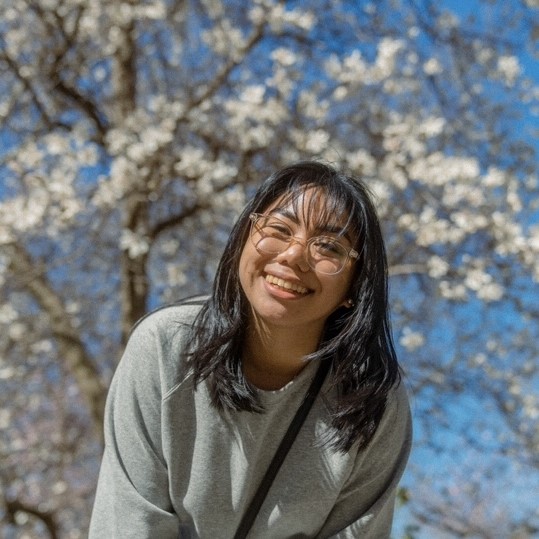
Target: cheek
250 258
344 285
245 266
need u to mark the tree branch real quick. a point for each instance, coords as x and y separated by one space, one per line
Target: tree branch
12 65
70 347
47 517
221 77
82 102
176 220
407 269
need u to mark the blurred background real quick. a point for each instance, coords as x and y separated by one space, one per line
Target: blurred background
131 135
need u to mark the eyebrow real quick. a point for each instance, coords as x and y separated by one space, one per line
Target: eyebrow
327 228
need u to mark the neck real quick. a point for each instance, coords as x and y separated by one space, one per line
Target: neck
272 357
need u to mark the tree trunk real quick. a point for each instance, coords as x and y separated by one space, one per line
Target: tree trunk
71 350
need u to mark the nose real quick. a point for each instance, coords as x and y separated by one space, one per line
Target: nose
295 255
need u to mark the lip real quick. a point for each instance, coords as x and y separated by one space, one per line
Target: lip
287 288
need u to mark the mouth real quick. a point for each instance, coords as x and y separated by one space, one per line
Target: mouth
286 285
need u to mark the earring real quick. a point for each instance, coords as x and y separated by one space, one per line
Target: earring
350 302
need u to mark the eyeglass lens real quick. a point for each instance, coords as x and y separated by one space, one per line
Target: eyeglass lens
273 236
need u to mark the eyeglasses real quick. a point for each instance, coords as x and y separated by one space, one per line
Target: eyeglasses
324 254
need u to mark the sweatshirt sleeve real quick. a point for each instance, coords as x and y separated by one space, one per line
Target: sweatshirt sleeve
365 505
132 499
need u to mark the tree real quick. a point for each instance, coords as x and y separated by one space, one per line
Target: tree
133 132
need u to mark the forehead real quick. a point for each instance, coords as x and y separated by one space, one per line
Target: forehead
314 209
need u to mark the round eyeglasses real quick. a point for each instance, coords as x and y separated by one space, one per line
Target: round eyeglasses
324 254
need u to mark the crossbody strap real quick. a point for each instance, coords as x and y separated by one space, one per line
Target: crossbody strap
282 450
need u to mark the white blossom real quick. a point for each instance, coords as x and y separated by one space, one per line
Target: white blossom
437 267
312 106
176 275
453 291
6 373
246 109
156 10
5 415
531 407
16 331
494 177
279 17
392 170
432 126
362 162
8 314
217 174
56 144
21 214
259 136
352 69
438 232
191 161
59 487
479 359
413 32
485 54
448 20
432 67
430 229
340 93
533 239
313 142
481 282
253 95
214 8
170 246
469 221
509 69
257 14
285 57
135 244
411 340
15 40
316 141
225 39
44 346
124 175
384 64
281 81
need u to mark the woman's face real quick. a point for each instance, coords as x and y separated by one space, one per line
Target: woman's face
282 289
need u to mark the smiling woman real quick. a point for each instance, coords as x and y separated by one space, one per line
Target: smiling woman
207 388
284 255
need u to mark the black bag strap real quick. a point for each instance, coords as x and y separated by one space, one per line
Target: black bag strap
282 450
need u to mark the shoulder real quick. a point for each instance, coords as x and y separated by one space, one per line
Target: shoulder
397 409
395 428
169 319
157 342
398 400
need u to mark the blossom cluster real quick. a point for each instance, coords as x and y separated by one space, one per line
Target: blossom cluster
43 177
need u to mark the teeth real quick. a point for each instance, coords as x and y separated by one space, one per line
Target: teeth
286 284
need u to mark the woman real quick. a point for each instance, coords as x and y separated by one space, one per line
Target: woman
206 389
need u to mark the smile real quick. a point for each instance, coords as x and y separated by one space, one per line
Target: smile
286 285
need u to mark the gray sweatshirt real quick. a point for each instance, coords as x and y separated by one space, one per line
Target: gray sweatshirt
174 466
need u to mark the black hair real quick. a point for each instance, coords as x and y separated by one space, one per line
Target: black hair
357 341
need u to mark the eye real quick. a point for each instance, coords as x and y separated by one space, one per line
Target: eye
277 229
327 247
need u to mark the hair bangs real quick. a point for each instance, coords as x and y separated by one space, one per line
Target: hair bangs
330 207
